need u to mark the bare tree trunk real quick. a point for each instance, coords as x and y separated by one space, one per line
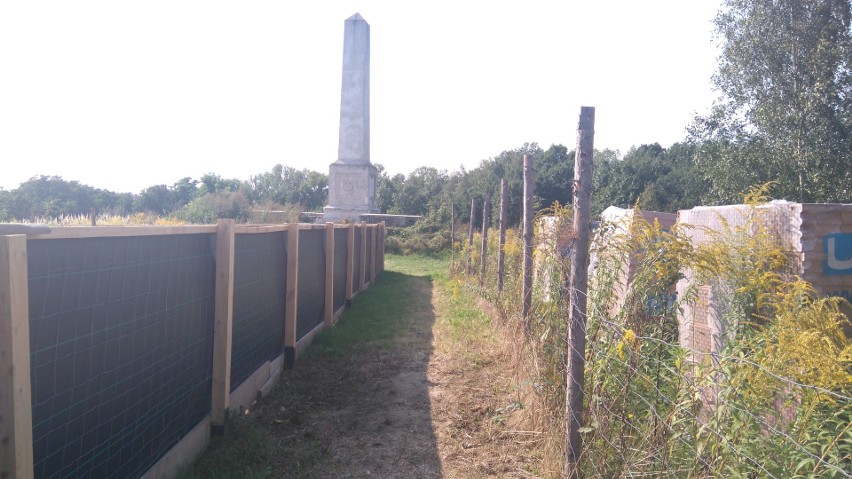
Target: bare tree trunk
529 193
504 186
486 205
576 341
452 238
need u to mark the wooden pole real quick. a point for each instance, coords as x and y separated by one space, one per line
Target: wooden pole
470 237
328 319
486 205
93 216
16 414
350 262
291 307
504 187
579 287
223 325
529 193
452 238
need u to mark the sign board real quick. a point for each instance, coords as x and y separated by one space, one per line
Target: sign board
838 254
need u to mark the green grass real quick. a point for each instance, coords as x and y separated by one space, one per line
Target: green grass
433 266
378 315
243 453
467 327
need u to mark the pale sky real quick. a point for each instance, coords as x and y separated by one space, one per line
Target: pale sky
123 95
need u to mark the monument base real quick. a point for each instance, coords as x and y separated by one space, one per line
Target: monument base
351 192
334 215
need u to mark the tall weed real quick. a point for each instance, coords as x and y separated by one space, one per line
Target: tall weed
770 399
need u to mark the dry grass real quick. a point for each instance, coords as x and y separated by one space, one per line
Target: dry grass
478 408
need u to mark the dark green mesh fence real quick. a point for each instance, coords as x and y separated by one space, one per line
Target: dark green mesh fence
121 341
341 256
368 275
311 293
356 263
260 285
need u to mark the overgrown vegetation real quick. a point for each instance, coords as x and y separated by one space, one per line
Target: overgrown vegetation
770 399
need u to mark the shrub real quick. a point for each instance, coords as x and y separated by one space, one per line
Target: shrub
210 207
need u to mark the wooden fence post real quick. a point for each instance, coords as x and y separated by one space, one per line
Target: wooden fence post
291 309
329 274
504 187
470 238
223 325
486 205
363 268
16 415
576 341
529 193
350 262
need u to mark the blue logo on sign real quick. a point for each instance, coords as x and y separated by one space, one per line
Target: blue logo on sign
838 253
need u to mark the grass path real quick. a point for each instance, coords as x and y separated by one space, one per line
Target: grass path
412 382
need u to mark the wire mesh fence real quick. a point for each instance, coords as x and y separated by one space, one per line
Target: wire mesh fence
368 273
120 333
767 396
311 291
356 262
121 341
341 257
260 280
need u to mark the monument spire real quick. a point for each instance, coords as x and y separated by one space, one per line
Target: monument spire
354 145
352 178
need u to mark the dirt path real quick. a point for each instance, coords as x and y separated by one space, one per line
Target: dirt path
435 401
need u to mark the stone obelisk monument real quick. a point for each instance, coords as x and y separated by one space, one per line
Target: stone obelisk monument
352 178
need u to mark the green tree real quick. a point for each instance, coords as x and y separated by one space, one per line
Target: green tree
387 188
52 196
184 191
785 111
484 181
313 190
287 185
555 175
660 179
421 193
5 203
213 183
157 199
603 161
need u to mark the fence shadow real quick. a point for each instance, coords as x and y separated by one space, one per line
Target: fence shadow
357 404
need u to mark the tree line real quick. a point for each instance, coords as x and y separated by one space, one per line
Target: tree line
784 115
658 178
200 200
